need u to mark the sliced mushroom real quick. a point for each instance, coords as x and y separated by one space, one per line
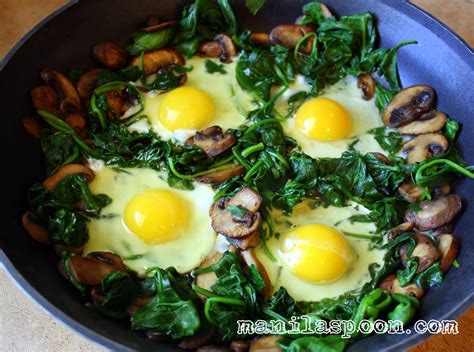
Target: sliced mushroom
228 48
407 105
137 303
76 121
213 348
448 245
424 146
203 337
45 98
435 213
118 103
72 169
381 157
61 84
213 141
366 83
110 55
410 192
207 280
158 26
289 35
392 285
87 83
425 250
443 190
265 344
448 228
32 126
68 106
244 243
90 270
36 231
399 229
156 59
210 48
222 175
429 122
247 198
260 38
239 346
251 259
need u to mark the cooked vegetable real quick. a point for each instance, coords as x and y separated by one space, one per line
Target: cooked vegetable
424 147
435 213
448 246
425 251
290 35
429 122
210 48
109 54
36 231
367 84
45 98
408 105
220 176
411 192
62 85
265 344
72 169
152 61
228 48
87 82
32 126
212 140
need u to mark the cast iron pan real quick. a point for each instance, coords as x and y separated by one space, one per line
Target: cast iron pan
64 40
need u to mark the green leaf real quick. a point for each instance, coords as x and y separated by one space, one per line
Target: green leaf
389 65
431 277
390 140
405 309
213 67
317 344
254 5
237 211
119 290
147 41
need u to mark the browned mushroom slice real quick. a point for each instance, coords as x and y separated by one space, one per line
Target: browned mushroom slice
225 223
443 190
158 26
435 213
110 55
200 339
425 250
206 280
392 285
410 192
248 198
260 38
92 269
251 259
222 175
289 35
72 169
76 121
239 346
228 48
424 146
213 141
448 228
45 98
137 303
429 122
32 126
117 102
68 106
210 48
87 83
407 105
36 231
61 84
448 246
366 83
250 241
213 348
156 59
399 229
265 344
381 157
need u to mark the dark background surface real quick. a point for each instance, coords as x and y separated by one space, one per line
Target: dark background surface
439 60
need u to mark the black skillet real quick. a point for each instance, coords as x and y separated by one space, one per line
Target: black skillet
64 40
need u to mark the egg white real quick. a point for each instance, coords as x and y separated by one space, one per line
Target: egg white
231 102
354 278
109 233
364 113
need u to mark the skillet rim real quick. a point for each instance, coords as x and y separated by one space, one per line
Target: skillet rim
453 40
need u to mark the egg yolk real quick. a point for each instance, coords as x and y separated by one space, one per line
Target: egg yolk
186 108
316 253
323 119
156 215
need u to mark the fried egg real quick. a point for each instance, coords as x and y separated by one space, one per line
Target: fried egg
204 100
314 258
149 223
326 125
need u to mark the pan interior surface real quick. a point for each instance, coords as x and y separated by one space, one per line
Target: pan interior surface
439 59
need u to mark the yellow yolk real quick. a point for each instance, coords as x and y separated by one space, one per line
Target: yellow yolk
186 108
323 119
156 215
316 253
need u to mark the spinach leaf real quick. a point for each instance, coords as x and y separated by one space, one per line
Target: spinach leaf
391 141
173 310
254 5
281 305
237 211
389 65
431 277
333 343
405 309
147 41
213 67
65 263
58 149
119 289
406 275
